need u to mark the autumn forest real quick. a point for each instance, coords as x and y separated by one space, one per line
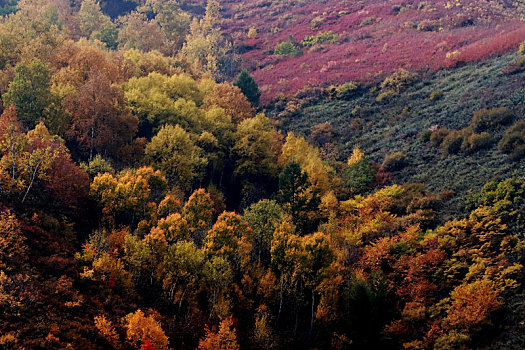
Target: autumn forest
262 174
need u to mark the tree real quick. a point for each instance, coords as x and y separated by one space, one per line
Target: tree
296 197
218 276
29 92
297 149
359 175
228 238
138 32
25 158
13 250
108 34
284 244
176 155
209 47
122 198
174 22
158 99
91 17
174 227
264 217
224 339
233 102
141 328
182 269
472 305
198 212
249 87
107 331
44 149
254 149
101 121
12 146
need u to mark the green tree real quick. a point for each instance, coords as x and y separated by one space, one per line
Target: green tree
29 92
359 175
108 34
91 17
253 149
264 217
198 213
176 155
174 22
218 276
158 99
297 198
182 266
249 87
228 238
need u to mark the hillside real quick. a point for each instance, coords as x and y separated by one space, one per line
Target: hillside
397 124
372 38
372 197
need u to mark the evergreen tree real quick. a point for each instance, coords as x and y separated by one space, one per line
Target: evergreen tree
249 87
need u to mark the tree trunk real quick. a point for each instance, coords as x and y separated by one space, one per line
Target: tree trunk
182 297
280 297
312 316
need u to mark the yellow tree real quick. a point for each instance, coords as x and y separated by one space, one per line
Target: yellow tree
208 46
224 339
25 158
12 242
176 155
298 149
254 148
141 328
229 238
198 212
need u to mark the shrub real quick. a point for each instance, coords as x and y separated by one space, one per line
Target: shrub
436 95
428 26
395 161
320 38
368 20
386 95
345 91
475 142
486 119
521 49
425 135
322 133
452 142
438 136
287 48
396 83
513 141
252 33
316 22
396 8
516 66
400 80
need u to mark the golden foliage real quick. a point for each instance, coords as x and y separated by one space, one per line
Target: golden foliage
141 328
224 339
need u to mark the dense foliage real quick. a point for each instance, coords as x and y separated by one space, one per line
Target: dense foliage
147 202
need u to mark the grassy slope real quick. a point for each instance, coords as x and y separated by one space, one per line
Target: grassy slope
376 37
384 131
